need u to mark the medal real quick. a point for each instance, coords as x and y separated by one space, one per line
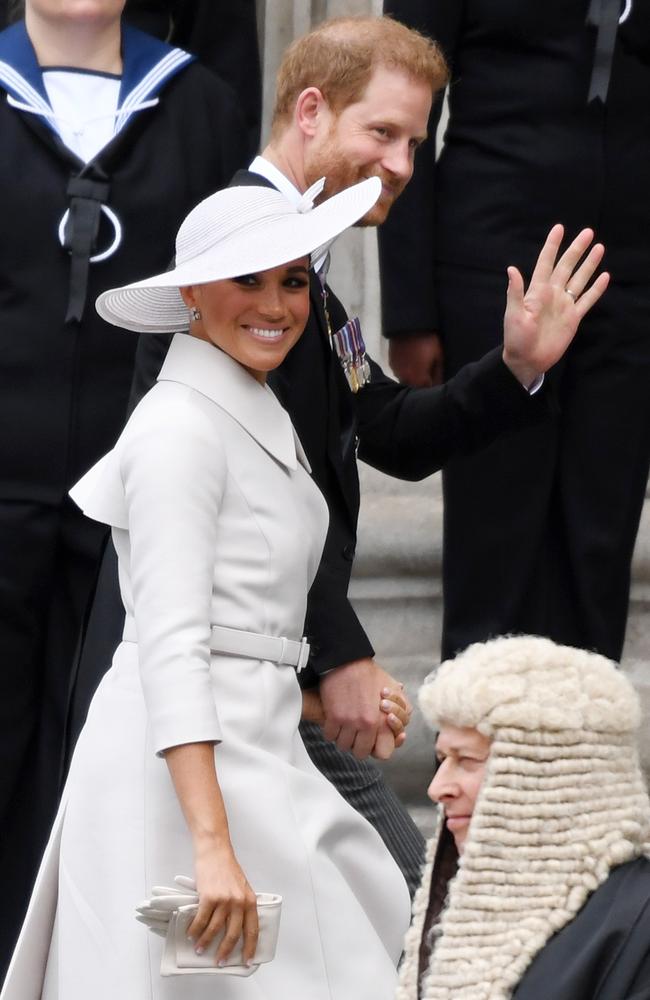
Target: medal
351 351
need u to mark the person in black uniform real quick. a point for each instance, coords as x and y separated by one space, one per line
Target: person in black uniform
94 181
222 34
549 118
353 100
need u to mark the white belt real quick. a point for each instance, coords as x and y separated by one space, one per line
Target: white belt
236 642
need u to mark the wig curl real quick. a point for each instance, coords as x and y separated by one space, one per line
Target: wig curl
562 802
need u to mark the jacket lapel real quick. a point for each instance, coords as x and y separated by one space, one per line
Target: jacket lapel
311 385
342 419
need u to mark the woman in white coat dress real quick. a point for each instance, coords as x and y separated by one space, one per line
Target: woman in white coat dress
190 761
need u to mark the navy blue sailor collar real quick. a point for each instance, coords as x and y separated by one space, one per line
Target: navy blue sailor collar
148 64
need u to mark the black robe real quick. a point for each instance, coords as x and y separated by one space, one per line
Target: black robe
604 953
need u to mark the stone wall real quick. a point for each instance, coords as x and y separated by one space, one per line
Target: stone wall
396 587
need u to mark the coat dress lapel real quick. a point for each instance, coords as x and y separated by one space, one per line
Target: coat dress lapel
206 369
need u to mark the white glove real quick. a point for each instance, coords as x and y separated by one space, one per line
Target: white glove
156 911
168 913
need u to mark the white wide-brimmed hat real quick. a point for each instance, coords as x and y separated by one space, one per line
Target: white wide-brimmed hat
237 231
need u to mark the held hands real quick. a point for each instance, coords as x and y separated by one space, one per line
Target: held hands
397 710
541 322
365 709
312 707
393 704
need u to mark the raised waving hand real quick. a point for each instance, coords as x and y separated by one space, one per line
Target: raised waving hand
541 321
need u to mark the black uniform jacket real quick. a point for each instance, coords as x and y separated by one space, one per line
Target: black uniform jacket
523 149
407 433
64 382
604 953
223 35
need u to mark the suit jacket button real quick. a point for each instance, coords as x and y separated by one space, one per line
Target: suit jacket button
348 551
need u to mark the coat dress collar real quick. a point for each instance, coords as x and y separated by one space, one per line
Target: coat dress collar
203 367
214 374
148 64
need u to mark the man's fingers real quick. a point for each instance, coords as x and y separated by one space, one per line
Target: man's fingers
364 741
331 730
570 258
384 745
548 253
578 281
346 737
591 296
515 287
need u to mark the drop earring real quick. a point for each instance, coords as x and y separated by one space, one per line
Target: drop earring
195 313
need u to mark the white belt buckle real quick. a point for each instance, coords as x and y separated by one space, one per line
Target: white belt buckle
303 655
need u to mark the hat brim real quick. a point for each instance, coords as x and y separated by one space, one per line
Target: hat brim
155 305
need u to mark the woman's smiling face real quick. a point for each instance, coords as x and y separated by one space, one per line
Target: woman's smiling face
462 754
255 318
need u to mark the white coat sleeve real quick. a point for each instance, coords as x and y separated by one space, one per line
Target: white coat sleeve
174 471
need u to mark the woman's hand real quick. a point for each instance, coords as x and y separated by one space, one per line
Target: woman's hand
225 900
398 712
312 707
225 897
541 322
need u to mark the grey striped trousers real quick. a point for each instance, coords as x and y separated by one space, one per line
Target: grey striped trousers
362 784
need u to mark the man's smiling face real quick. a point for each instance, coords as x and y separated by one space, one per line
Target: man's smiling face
374 136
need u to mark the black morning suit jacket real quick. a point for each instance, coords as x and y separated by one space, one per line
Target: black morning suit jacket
407 433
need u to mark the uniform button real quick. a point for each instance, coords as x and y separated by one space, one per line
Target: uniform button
348 551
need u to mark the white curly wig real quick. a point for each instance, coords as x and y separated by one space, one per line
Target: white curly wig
563 801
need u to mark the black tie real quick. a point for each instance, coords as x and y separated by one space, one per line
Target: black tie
86 194
604 14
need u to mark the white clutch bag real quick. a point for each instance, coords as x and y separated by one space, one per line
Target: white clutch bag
169 913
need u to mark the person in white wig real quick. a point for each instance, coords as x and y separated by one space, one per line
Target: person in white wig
537 881
190 763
